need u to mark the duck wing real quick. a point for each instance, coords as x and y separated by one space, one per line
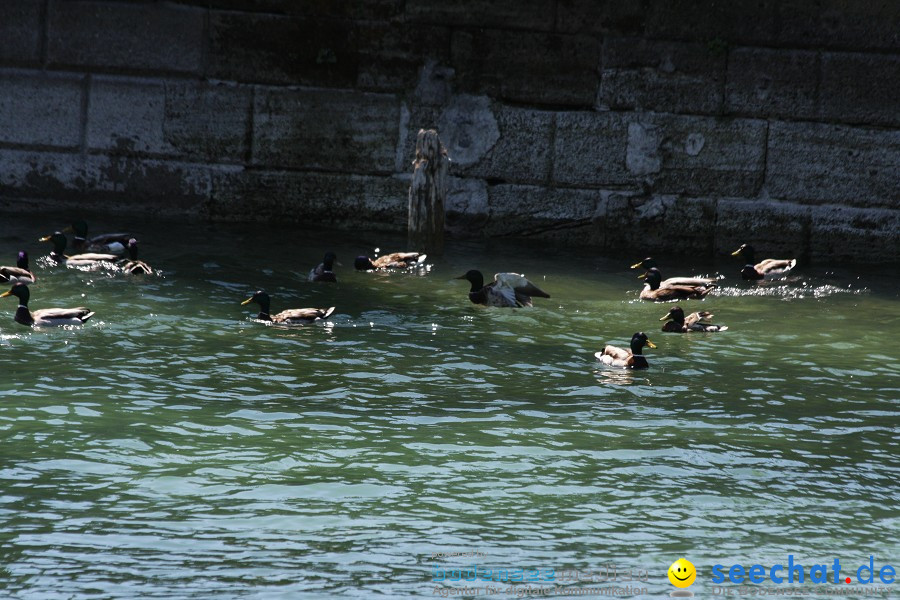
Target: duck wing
137 267
398 260
689 281
302 315
694 322
775 266
13 274
675 292
614 356
522 289
61 316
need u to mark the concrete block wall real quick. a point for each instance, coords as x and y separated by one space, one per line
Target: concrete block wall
635 126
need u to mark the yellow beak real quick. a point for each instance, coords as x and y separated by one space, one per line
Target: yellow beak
651 344
635 266
46 238
667 317
247 301
5 294
644 276
736 252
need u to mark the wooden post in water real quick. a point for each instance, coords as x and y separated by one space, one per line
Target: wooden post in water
427 194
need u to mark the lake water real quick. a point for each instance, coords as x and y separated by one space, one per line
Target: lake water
175 448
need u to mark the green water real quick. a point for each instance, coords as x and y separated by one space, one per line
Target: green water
175 448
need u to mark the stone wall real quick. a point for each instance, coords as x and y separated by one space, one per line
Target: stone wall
637 125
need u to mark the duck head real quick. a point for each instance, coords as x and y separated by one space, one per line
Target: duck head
132 249
79 228
59 243
746 252
675 313
261 298
22 260
647 263
652 278
638 341
328 261
363 263
20 291
475 278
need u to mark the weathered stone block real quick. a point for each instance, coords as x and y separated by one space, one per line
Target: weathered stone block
20 31
842 233
207 122
523 152
775 229
50 175
392 55
539 68
626 17
523 210
126 116
125 36
468 129
518 14
655 75
644 224
324 199
589 149
358 9
813 162
697 155
466 206
331 130
861 88
764 82
840 24
147 185
41 109
715 23
275 49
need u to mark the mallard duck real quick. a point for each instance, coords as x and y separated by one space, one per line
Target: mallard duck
45 317
20 272
650 263
619 357
676 322
294 316
106 243
769 268
395 260
652 290
78 260
325 270
133 266
507 289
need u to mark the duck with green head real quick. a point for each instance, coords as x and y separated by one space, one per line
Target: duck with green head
291 316
770 268
106 243
19 273
676 322
45 317
90 260
508 290
133 266
650 263
633 359
652 290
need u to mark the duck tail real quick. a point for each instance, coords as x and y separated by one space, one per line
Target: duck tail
328 312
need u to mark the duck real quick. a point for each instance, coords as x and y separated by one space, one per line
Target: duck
45 317
293 316
676 322
106 243
767 269
653 291
394 260
19 273
58 239
619 357
507 289
650 263
133 266
325 270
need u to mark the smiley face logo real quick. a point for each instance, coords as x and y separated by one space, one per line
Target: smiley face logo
682 573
